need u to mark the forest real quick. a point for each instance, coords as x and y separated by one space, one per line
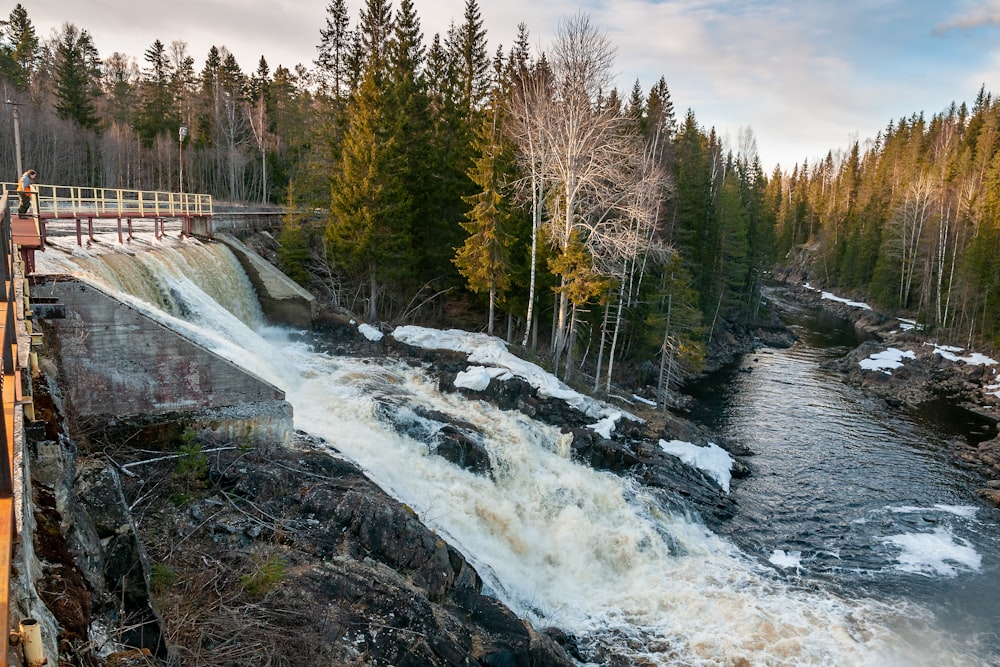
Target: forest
446 182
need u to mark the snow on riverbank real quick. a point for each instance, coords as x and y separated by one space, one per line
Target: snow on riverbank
711 459
893 357
490 358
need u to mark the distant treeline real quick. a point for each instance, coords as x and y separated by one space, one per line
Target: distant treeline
911 220
594 220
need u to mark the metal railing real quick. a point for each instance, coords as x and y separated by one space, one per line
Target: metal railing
9 390
70 201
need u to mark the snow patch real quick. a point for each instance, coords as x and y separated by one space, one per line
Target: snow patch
477 378
950 353
886 360
711 459
606 426
830 296
369 332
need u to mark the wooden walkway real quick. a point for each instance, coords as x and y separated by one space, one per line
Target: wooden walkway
65 202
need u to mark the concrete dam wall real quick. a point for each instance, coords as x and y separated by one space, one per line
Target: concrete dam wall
118 362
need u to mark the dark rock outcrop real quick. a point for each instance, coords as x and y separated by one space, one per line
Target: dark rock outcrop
631 451
293 551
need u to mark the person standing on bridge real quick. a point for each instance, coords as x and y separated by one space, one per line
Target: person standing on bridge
24 189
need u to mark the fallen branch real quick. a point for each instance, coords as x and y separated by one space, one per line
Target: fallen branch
173 456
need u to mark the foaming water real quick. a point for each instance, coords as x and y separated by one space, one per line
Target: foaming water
560 543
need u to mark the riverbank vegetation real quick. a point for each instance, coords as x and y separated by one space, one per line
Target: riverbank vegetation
454 182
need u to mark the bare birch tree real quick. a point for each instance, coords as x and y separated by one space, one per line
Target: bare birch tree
585 146
528 111
912 214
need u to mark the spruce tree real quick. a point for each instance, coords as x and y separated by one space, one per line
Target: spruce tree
334 49
368 234
157 109
76 75
293 239
484 258
20 50
468 42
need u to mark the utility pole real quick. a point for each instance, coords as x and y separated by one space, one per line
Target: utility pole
181 133
17 137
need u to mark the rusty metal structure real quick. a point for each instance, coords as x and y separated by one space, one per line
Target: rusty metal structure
20 237
11 390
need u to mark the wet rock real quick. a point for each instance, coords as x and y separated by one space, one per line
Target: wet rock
990 495
462 450
601 453
451 438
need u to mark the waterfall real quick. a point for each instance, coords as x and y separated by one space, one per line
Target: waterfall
561 543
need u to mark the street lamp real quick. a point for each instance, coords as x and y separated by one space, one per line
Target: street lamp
17 137
182 132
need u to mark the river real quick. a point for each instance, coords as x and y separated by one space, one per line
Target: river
849 496
813 571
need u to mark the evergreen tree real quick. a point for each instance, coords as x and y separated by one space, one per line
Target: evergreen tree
294 250
20 50
448 158
120 77
468 43
334 49
368 234
76 77
157 109
484 258
694 206
375 34
660 112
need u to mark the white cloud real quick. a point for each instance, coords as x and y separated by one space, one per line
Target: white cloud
979 16
806 77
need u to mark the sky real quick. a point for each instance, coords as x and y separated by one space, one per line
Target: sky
804 77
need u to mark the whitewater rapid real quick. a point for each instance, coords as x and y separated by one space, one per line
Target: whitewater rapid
562 544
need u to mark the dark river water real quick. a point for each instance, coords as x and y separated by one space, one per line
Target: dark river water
850 496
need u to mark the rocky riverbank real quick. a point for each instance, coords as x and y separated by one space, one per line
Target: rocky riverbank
900 365
161 547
